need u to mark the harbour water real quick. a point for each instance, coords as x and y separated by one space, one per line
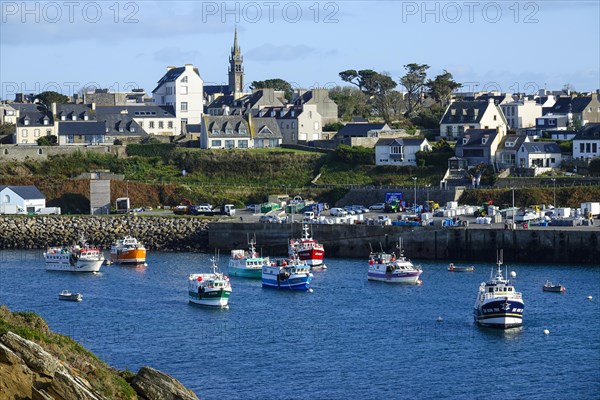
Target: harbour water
349 338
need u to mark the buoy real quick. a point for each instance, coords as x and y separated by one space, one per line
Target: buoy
513 274
324 266
546 332
310 290
419 282
440 319
589 297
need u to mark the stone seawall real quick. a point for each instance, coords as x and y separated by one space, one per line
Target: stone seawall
428 243
159 233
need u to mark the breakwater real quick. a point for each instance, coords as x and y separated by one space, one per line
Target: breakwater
568 245
160 233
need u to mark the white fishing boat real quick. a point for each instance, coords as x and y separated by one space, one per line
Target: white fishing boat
246 263
68 296
211 289
76 258
498 304
386 267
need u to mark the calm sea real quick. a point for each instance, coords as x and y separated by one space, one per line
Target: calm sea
350 338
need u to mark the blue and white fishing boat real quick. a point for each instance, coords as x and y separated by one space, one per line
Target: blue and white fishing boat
247 263
288 274
498 304
386 267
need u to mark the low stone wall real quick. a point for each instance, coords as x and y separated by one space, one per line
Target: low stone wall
41 153
160 233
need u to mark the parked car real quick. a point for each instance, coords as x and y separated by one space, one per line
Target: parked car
377 207
338 212
360 209
253 207
350 210
270 219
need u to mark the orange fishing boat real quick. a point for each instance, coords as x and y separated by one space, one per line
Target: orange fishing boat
128 251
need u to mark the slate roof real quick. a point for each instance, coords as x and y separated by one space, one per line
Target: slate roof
172 75
26 192
194 128
475 136
266 128
82 128
400 142
591 131
465 111
138 111
77 110
217 126
248 101
541 147
360 129
114 123
516 139
34 112
565 105
213 89
288 112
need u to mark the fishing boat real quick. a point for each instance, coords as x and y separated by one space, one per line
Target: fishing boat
246 263
212 289
68 296
549 287
498 304
387 267
288 274
77 258
128 251
455 268
307 248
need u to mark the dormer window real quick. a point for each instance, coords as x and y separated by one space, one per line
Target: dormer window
63 117
46 122
106 130
132 129
229 131
85 117
73 117
484 140
215 131
243 131
121 129
26 121
465 140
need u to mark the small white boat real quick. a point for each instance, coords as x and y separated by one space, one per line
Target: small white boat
387 267
212 289
549 287
68 296
455 268
246 263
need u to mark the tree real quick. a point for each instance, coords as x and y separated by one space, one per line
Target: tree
350 101
51 140
441 88
47 98
7 129
277 84
414 83
376 86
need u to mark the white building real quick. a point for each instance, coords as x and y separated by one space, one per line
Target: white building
182 89
399 151
463 115
521 114
586 144
539 155
20 199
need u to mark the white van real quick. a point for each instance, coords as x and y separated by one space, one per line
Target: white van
338 212
309 216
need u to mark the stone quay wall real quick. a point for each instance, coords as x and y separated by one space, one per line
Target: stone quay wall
158 233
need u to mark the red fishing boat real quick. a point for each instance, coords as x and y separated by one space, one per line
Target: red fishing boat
308 249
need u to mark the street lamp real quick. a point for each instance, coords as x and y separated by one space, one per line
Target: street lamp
427 186
554 183
414 178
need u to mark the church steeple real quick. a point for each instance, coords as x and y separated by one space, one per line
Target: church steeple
236 69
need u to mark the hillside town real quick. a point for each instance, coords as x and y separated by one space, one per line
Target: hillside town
528 134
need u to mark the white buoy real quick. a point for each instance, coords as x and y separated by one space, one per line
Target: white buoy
589 297
440 319
324 266
310 290
546 332
513 274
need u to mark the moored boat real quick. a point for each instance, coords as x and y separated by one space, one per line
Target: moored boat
74 258
549 287
212 289
307 248
128 251
455 268
498 304
287 274
386 267
68 296
246 263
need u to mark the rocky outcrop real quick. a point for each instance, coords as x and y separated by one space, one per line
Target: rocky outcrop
151 384
157 233
27 371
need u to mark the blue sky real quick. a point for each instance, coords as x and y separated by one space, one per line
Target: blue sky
505 45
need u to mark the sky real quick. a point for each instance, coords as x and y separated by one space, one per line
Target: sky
511 46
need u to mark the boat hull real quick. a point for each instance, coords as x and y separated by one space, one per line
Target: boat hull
79 266
70 297
410 278
210 298
302 284
313 257
461 269
128 256
555 289
500 313
253 273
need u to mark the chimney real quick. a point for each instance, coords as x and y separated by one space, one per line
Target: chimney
53 108
93 106
170 67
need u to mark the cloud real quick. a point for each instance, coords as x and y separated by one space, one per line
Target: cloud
272 53
173 55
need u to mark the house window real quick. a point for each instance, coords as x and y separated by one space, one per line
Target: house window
229 144
449 130
73 117
588 147
215 143
243 131
26 122
48 132
184 79
310 114
151 124
273 142
396 150
85 117
243 144
594 147
36 133
494 117
141 124
162 99
184 106
70 139
160 125
170 124
215 132
46 121
229 131
581 147
63 118
121 129
24 133
551 122
184 90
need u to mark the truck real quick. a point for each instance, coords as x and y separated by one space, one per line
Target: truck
48 211
122 205
392 206
225 209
